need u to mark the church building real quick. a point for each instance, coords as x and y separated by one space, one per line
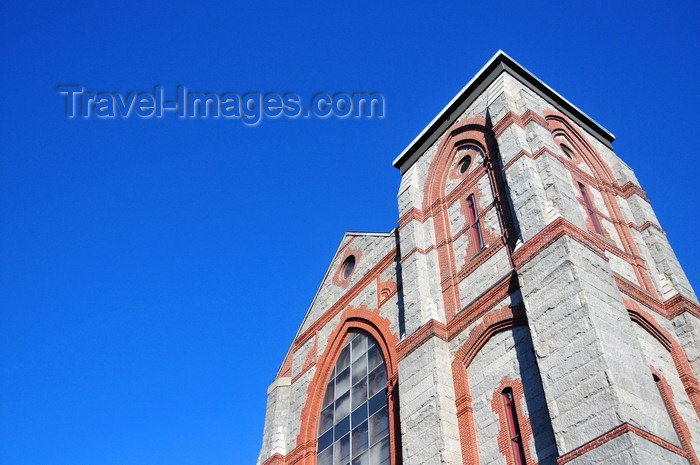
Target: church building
527 309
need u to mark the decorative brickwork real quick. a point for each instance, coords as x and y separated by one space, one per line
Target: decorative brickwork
685 372
353 292
338 278
518 305
472 131
679 423
387 290
492 323
505 442
614 433
353 319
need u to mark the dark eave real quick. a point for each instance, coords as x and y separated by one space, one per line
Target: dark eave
498 64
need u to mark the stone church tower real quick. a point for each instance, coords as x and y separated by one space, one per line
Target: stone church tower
527 309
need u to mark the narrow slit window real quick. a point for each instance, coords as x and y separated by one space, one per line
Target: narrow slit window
567 151
589 208
565 146
514 427
476 226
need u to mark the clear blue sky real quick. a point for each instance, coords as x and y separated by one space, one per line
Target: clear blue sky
154 272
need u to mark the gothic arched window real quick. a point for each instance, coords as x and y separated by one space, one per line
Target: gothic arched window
354 423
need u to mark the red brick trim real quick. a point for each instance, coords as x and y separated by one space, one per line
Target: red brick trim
554 121
353 319
645 320
614 433
679 304
594 242
630 189
338 278
410 215
447 236
507 317
676 305
345 300
309 361
589 188
468 185
498 407
394 419
286 368
488 238
419 337
535 156
560 124
474 164
679 424
435 200
646 226
385 290
640 295
486 302
470 129
605 182
550 234
478 337
519 155
680 360
475 260
276 459
304 453
416 250
522 121
343 247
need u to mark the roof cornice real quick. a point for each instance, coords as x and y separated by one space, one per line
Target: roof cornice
498 64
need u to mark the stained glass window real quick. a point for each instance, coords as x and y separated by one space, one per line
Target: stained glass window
354 425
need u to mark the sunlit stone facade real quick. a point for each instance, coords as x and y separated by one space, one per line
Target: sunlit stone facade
528 307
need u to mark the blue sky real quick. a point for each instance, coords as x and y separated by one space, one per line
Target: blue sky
154 271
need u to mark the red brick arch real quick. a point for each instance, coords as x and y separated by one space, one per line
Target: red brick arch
352 319
604 181
498 407
559 124
680 360
436 202
469 130
679 424
492 323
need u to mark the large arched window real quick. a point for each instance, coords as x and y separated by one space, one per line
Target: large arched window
354 423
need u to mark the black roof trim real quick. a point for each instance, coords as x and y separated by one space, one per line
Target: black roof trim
498 64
